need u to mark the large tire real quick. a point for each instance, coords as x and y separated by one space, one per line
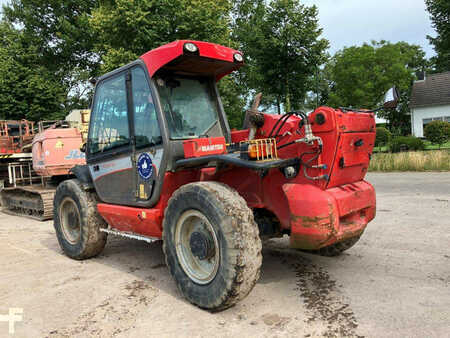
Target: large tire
337 248
77 222
217 278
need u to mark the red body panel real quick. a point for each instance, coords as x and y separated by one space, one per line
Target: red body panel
146 222
56 151
161 56
320 218
204 146
131 219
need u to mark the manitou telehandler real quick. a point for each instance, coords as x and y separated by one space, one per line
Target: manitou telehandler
162 163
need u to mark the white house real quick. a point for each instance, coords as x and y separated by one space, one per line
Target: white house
430 100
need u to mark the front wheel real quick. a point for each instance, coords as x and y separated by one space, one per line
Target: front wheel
211 244
77 222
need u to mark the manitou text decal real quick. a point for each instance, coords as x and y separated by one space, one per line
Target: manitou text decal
212 147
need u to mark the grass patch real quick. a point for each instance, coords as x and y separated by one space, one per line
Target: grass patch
429 145
411 161
381 149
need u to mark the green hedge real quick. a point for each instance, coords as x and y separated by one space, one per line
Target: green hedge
437 132
383 137
405 143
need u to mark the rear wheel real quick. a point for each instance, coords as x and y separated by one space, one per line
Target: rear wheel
76 221
212 244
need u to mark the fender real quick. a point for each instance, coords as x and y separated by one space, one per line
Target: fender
82 173
319 217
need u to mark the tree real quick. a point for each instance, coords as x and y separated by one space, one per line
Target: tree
437 132
360 75
282 44
440 17
383 136
233 100
27 89
64 40
127 29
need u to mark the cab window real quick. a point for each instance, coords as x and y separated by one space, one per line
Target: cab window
146 127
109 126
189 105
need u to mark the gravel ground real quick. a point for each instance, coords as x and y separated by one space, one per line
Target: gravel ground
394 283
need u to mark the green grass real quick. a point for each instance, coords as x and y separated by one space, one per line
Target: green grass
428 146
382 149
438 160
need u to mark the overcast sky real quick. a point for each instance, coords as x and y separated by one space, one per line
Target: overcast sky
352 22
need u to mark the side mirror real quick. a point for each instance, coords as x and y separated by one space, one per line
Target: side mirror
391 98
83 147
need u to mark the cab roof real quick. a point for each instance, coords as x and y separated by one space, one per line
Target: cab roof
210 59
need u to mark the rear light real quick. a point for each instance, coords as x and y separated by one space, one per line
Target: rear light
262 149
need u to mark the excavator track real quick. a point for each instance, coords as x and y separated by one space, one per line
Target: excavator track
33 201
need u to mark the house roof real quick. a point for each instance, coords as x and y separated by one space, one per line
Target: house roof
434 90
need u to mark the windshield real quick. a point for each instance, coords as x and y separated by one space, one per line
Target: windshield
189 106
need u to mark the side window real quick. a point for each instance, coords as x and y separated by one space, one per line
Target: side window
109 125
146 127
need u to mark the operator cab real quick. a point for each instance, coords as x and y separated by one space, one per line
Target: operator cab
143 112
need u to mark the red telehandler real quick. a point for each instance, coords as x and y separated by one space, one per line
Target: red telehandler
162 163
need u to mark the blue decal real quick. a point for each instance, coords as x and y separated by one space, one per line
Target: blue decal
144 166
75 155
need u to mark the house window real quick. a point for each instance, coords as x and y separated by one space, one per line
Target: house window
426 121
442 118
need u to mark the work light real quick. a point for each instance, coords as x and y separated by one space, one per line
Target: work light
190 47
238 57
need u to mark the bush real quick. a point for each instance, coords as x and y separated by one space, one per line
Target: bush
437 132
404 143
383 137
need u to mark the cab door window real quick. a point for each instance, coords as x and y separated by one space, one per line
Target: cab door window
146 127
109 127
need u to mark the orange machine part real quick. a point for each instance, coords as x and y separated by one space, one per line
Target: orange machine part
56 151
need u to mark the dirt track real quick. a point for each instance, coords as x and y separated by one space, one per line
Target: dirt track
394 282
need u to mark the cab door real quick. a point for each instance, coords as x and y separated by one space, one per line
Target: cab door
109 147
148 150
